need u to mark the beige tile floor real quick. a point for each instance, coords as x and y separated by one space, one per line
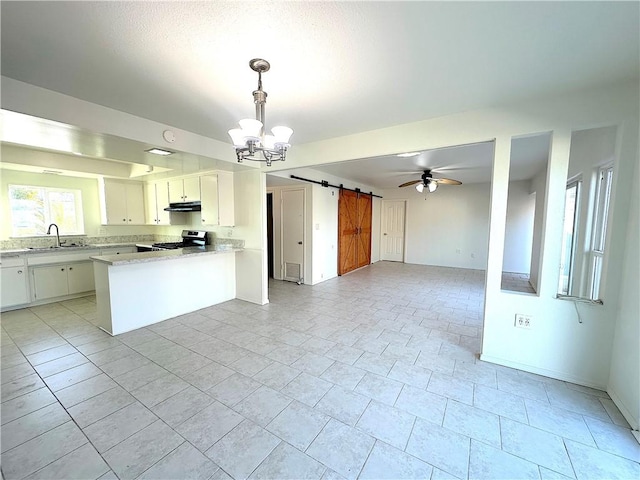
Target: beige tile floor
371 375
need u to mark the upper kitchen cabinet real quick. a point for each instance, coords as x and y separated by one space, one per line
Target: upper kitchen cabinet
184 190
217 199
122 203
156 197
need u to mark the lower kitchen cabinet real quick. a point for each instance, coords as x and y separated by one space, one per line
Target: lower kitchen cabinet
15 289
80 277
60 280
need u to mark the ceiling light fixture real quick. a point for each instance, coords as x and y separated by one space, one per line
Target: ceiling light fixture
431 186
250 141
159 151
408 154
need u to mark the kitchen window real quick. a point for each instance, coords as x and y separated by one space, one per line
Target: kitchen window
34 208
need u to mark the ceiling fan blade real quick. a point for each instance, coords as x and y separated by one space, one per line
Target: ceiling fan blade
447 181
406 184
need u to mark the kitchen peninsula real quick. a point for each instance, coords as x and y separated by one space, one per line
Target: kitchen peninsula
139 289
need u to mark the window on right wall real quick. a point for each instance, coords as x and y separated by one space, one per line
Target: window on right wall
569 231
599 229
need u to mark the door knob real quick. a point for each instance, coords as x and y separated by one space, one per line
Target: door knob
384 233
299 243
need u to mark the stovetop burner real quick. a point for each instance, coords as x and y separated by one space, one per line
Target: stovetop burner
168 245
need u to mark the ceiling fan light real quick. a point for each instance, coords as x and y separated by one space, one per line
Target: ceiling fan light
237 137
282 134
251 129
420 187
432 186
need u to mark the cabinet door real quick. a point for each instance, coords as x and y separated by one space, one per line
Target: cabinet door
135 203
176 191
226 204
209 212
80 277
162 198
14 286
115 195
192 189
50 282
150 204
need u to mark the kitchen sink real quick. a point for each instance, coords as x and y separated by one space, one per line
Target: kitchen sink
53 247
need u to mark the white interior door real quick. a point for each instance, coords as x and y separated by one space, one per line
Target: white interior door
393 230
292 235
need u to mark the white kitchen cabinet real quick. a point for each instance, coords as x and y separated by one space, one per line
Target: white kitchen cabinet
50 281
15 288
80 277
156 200
217 199
124 203
209 192
184 190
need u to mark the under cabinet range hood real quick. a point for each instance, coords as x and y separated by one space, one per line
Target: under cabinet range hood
184 207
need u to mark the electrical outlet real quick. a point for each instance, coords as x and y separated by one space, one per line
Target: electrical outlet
523 321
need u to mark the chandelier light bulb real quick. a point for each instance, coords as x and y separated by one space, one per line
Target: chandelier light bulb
282 134
420 187
237 137
432 186
251 129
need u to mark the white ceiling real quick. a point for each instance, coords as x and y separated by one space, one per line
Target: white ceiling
337 67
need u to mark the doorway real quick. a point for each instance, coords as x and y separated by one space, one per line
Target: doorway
393 225
270 234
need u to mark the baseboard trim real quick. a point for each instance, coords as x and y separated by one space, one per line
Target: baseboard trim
634 422
542 371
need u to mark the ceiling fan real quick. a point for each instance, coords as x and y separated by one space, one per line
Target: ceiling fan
427 180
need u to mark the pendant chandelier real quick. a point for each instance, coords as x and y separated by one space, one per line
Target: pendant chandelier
250 140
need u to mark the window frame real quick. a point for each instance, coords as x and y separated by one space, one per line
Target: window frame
577 183
599 224
48 215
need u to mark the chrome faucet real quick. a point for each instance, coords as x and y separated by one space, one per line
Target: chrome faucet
57 234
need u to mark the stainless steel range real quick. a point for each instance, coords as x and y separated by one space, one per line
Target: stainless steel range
190 238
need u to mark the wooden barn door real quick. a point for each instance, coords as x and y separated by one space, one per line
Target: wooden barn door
364 233
354 231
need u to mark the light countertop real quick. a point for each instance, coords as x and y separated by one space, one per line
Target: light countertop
144 257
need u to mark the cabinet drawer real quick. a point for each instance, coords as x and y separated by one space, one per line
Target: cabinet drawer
12 262
61 257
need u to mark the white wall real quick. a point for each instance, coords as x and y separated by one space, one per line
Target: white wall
519 228
376 229
251 223
439 224
325 233
624 378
